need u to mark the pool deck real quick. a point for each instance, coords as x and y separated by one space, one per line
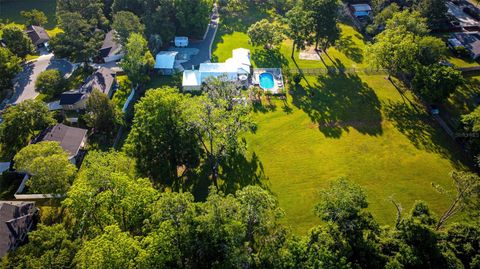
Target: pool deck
277 77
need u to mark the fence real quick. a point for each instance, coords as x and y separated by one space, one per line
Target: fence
333 70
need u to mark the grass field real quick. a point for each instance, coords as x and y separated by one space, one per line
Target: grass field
335 125
355 127
10 10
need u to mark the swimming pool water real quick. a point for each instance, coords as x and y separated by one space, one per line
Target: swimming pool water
266 81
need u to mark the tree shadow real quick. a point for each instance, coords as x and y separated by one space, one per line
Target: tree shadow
340 101
264 107
238 172
417 125
269 58
346 46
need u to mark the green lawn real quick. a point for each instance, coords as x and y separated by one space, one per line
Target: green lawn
333 126
10 10
355 127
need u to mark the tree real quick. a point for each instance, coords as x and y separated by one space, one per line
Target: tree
160 140
79 41
9 67
125 23
48 165
343 205
436 82
264 33
101 114
89 10
34 17
17 41
112 249
381 18
21 122
47 247
192 16
50 82
217 124
138 60
435 11
431 50
325 16
300 27
472 120
466 196
410 21
463 239
106 192
394 50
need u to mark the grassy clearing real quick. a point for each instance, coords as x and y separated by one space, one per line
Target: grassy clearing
10 10
355 127
333 126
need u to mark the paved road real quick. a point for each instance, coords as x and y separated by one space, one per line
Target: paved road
24 83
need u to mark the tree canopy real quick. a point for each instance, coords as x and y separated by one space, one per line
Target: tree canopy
138 60
125 23
21 122
264 33
9 67
17 41
51 82
161 141
101 114
48 164
34 17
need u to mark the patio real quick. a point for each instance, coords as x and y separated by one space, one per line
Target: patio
278 87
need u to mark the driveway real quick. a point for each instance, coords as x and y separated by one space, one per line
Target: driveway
24 82
203 46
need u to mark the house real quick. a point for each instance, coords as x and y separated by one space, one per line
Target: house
361 10
236 68
17 218
38 35
71 139
104 80
468 40
165 62
181 41
111 50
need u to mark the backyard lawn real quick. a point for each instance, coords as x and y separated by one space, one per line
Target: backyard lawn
334 126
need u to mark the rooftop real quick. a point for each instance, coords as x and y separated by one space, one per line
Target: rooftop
70 138
37 34
110 46
165 59
16 218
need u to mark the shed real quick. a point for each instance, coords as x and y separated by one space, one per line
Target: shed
361 10
181 41
165 62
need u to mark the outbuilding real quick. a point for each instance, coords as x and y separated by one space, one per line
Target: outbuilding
165 62
361 10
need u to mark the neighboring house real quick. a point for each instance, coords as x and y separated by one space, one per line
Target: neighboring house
38 35
468 40
165 62
181 41
361 10
17 218
71 139
104 80
111 50
233 69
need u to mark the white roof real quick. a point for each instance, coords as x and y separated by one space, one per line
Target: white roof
455 42
362 7
218 68
165 59
181 38
191 78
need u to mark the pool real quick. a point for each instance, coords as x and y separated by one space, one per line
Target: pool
266 81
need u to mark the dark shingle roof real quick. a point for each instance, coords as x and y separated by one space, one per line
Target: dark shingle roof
70 98
16 218
110 45
37 34
70 138
101 80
